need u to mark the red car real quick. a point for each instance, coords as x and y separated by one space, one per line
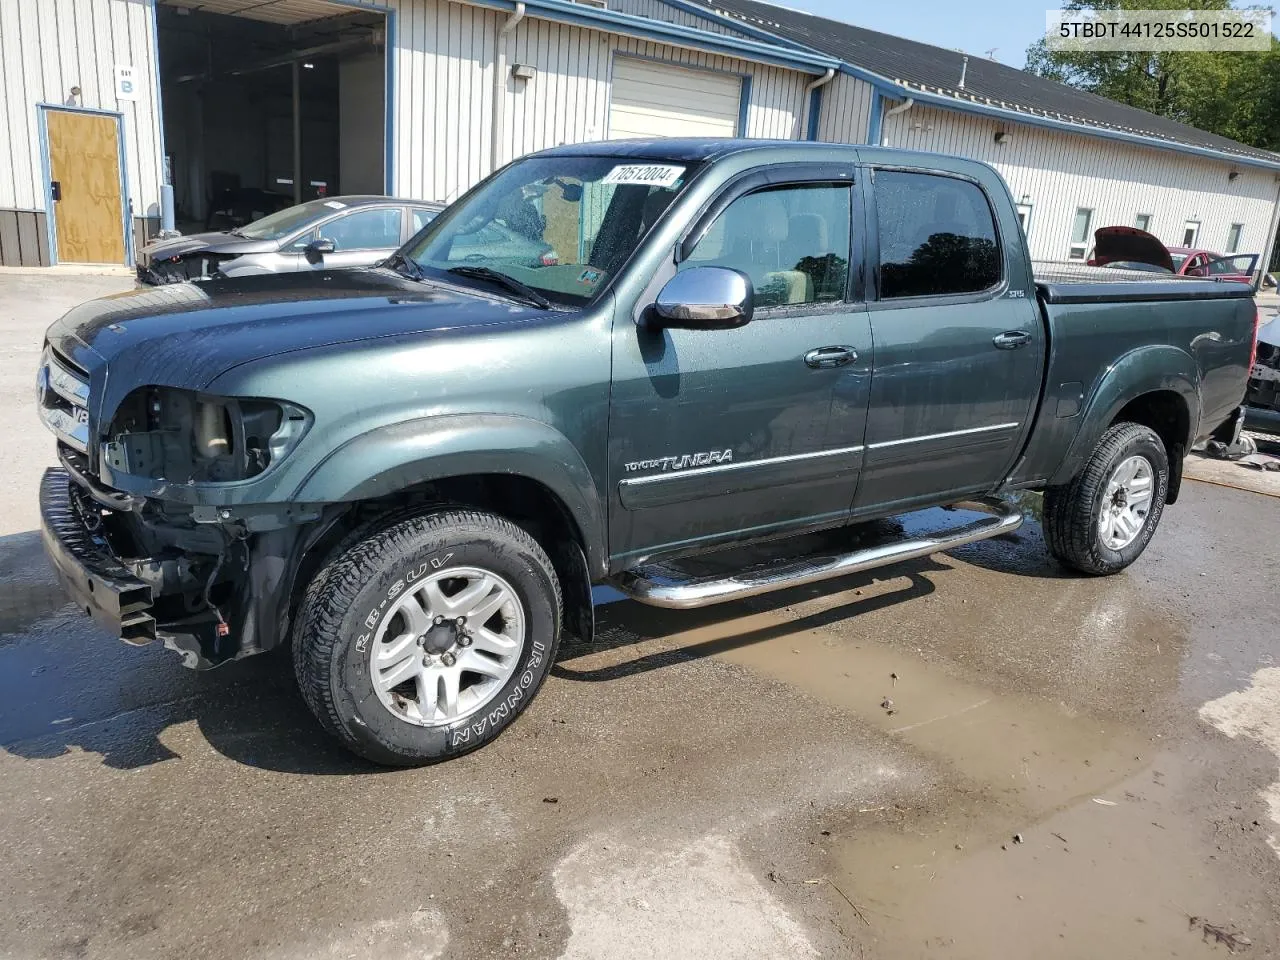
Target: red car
1128 248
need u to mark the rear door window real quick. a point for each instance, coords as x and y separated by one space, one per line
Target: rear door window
937 236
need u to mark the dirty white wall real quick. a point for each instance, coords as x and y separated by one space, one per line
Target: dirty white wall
443 99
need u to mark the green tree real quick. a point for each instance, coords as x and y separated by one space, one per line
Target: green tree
1232 94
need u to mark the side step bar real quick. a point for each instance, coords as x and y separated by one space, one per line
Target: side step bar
655 585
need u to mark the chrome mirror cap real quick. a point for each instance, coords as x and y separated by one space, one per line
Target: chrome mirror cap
706 298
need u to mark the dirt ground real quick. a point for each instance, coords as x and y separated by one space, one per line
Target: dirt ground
970 756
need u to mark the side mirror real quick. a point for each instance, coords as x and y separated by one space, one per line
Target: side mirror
316 249
706 298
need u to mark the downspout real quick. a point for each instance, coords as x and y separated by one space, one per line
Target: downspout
807 111
903 107
500 83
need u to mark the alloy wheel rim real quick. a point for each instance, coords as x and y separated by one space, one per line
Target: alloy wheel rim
1126 502
447 646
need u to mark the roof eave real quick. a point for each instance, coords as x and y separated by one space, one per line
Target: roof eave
901 91
886 85
770 51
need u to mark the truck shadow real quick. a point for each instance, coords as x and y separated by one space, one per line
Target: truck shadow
66 687
627 624
251 714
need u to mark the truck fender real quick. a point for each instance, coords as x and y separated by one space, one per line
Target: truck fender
1150 369
395 457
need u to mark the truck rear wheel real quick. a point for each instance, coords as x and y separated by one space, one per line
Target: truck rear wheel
427 638
1101 521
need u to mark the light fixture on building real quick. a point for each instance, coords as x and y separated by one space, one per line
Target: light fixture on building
523 71
1001 137
308 66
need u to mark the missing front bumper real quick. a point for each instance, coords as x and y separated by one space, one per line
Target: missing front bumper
108 590
95 579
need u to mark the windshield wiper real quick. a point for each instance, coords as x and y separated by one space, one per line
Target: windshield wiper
511 283
404 265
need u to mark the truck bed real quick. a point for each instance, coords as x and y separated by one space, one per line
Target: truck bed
1080 283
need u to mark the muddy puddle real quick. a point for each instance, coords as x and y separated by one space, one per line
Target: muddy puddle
1061 821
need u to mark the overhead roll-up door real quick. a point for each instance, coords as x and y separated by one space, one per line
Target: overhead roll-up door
660 100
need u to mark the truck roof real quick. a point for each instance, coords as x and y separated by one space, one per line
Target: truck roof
699 149
691 149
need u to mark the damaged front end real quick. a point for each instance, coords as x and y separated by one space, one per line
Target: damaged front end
181 268
214 583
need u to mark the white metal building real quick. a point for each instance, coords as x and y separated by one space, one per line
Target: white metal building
115 114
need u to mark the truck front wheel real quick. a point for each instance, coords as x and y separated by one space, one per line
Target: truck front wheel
428 637
1102 520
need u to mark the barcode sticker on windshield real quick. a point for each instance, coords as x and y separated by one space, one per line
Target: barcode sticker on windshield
335 205
649 174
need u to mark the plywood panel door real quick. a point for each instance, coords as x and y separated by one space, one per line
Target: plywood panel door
84 161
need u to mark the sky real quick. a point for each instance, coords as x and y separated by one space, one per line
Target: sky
1008 25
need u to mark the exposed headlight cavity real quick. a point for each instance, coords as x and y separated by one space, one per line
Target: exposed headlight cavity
186 437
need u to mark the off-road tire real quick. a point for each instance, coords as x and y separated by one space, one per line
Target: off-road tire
1072 511
341 607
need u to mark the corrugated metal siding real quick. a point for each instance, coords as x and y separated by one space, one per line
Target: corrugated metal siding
268 11
49 46
657 10
846 110
1059 172
443 98
24 239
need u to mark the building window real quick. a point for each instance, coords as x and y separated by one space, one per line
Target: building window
1233 237
1080 233
1143 222
1024 218
1191 233
937 236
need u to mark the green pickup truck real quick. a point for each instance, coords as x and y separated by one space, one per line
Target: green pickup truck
414 474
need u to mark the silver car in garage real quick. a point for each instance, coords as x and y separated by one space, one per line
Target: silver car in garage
324 234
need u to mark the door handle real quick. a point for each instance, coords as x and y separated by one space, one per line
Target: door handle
55 190
821 357
1011 339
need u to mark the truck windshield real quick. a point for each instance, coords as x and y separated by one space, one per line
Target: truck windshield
561 225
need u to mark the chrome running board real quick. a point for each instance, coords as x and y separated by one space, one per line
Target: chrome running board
656 587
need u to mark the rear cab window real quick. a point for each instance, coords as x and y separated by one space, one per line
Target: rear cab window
937 236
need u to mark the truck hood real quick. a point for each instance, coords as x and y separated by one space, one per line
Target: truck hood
1121 244
223 243
187 334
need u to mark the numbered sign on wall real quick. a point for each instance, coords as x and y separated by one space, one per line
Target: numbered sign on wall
126 83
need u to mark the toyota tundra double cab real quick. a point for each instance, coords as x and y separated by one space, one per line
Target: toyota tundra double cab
413 474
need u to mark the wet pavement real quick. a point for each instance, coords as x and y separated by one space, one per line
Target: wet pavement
969 756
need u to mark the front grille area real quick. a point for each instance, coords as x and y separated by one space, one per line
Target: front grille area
62 396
